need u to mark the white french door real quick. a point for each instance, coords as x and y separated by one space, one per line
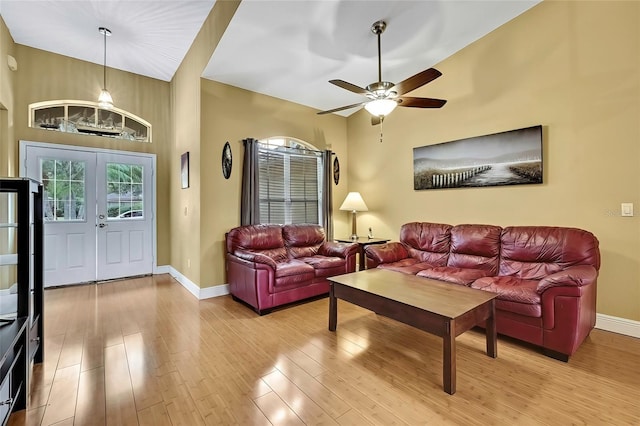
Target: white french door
98 208
125 211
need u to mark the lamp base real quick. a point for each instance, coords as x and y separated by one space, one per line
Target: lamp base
354 233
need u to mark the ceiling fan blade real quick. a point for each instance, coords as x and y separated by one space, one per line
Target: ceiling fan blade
415 81
342 108
407 101
350 87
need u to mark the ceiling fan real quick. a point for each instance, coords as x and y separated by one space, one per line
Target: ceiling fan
384 96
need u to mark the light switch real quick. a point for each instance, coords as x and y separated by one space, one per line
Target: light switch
627 209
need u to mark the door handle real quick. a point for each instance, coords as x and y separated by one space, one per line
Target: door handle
102 225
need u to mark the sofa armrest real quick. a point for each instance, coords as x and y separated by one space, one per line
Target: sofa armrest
575 276
343 250
387 253
255 258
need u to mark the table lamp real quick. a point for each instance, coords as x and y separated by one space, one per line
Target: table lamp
354 203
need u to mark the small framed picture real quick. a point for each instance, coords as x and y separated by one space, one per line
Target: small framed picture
336 170
184 170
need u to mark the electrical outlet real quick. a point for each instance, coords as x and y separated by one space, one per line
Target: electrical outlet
626 209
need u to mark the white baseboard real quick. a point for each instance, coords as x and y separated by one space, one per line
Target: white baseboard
214 291
164 269
618 325
199 293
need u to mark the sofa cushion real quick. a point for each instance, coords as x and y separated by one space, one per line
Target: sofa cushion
475 247
462 276
262 239
532 311
514 294
534 252
512 289
293 272
409 265
427 242
303 240
325 266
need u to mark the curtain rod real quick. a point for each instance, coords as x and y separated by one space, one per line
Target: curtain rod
277 147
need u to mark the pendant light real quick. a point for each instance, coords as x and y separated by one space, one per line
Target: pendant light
105 100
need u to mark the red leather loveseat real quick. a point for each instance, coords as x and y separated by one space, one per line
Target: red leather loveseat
545 277
272 265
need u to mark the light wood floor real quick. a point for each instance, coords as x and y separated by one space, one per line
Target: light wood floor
145 351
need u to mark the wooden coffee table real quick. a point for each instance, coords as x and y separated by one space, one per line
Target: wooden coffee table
443 309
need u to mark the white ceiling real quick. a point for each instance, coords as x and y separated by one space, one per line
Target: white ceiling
148 37
286 49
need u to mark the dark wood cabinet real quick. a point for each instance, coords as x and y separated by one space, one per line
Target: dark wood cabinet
21 289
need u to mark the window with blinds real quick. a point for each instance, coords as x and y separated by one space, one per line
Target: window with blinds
290 176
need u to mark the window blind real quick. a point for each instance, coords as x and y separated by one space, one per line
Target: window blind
289 185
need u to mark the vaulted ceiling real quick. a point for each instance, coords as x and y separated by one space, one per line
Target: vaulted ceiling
286 49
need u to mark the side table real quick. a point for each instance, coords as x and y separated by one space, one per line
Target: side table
362 243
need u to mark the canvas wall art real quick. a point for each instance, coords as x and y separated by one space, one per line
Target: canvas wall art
506 158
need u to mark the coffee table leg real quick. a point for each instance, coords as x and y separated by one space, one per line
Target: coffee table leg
492 335
449 359
333 309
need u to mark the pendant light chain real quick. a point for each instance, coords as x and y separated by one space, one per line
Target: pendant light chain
105 100
104 68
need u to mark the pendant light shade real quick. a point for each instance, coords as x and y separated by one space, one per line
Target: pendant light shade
105 100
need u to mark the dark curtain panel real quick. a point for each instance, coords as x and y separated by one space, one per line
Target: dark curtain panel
327 194
250 201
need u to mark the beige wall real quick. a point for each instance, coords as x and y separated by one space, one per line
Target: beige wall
573 67
231 114
185 101
207 115
43 76
7 83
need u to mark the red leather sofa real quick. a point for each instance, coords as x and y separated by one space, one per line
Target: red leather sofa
272 265
545 277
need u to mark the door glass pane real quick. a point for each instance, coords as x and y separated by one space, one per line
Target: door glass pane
64 190
124 191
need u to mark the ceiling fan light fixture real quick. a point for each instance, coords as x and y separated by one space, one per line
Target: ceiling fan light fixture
381 107
384 96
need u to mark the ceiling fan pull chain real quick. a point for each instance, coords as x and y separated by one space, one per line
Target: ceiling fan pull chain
381 121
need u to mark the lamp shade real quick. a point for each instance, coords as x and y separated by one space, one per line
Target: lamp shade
354 202
381 107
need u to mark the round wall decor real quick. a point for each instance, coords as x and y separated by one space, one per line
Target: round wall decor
336 170
226 160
